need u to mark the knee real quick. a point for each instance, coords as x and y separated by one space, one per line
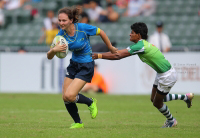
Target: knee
157 105
68 97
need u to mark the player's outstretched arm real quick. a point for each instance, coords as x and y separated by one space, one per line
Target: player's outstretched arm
117 56
106 40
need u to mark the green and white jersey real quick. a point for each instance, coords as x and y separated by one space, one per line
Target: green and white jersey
151 55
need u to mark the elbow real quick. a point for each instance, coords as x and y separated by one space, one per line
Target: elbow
48 57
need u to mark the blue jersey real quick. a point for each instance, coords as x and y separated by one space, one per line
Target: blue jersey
79 44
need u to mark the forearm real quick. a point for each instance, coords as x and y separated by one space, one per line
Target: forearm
51 53
105 38
108 56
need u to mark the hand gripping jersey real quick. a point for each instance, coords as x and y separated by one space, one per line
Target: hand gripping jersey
151 55
79 44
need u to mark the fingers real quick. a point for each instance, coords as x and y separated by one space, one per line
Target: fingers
94 56
63 51
64 46
60 48
113 51
117 53
58 43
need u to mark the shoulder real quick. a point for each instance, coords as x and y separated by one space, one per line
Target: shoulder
81 26
165 35
154 34
99 8
46 20
61 32
139 43
84 26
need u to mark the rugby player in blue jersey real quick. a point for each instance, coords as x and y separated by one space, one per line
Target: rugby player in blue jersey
81 67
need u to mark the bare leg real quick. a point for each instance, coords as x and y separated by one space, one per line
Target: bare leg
158 103
153 93
89 87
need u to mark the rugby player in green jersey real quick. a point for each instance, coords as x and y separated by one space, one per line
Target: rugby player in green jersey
166 75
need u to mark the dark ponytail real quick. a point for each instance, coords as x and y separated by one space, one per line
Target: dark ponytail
72 12
75 12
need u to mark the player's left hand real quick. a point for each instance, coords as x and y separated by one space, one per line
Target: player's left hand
94 56
113 50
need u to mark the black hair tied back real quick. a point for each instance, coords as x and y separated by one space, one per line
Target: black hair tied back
75 12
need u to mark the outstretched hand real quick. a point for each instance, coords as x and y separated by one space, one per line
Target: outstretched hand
94 56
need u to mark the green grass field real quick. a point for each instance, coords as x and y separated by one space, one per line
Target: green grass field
44 115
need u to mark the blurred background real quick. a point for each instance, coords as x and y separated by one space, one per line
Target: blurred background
29 26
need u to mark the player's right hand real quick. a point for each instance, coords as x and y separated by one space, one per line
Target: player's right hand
60 48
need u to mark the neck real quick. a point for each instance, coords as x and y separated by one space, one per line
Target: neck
70 30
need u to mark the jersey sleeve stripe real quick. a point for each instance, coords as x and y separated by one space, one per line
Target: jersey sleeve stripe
98 31
139 51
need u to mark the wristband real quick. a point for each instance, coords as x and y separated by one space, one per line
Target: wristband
99 55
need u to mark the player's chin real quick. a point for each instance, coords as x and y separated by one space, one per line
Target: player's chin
62 27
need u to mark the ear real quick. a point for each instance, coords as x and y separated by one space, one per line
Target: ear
139 36
71 21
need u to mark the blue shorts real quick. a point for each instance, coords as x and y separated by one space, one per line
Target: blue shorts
83 71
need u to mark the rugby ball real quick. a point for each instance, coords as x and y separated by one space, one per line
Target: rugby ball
62 41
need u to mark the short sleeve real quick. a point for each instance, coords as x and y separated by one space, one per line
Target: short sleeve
90 30
136 48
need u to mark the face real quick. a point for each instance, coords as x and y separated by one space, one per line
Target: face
50 14
93 4
54 26
109 9
134 37
64 21
159 29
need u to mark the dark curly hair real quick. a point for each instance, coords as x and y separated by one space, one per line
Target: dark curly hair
72 12
140 28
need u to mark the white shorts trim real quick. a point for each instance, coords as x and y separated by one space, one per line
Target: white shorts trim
165 81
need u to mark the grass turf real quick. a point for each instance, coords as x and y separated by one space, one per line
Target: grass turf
45 116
